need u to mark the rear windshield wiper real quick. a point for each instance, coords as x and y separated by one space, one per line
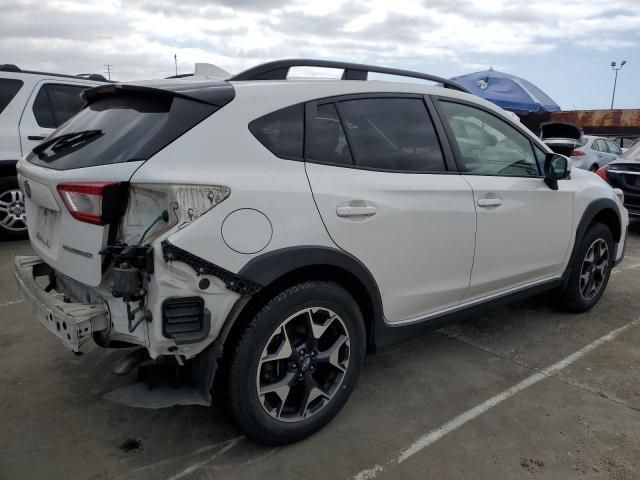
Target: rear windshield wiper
63 141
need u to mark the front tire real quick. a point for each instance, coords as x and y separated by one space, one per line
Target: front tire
296 363
590 270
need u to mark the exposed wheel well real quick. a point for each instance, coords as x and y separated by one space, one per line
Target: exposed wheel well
609 218
313 272
232 332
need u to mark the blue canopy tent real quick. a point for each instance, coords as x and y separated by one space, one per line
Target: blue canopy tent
508 91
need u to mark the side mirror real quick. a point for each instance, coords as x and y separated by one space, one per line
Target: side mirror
556 167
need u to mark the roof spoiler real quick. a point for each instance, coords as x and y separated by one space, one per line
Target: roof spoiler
217 94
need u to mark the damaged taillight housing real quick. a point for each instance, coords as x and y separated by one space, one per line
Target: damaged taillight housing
92 202
183 203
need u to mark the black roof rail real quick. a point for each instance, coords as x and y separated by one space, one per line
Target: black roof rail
180 75
8 67
93 76
279 69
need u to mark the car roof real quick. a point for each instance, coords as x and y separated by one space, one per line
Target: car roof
292 91
276 94
10 68
32 79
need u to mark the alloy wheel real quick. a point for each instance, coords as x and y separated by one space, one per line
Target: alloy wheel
303 364
12 211
594 269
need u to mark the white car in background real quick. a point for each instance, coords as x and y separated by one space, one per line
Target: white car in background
32 105
587 152
594 152
262 234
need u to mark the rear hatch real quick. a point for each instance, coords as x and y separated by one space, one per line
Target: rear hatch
562 138
76 181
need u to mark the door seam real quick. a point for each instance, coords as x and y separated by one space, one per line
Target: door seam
475 238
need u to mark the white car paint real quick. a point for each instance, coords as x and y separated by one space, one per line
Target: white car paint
418 219
430 247
513 245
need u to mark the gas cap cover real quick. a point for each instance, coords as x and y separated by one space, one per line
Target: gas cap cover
247 231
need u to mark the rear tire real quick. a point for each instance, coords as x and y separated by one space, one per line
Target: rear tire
12 217
296 363
590 270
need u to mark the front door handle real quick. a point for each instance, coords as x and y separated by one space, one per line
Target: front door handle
36 137
489 202
353 211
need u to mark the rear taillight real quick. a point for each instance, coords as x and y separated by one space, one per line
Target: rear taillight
577 153
602 173
94 203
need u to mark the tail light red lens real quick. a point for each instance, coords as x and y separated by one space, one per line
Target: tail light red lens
577 153
86 201
602 173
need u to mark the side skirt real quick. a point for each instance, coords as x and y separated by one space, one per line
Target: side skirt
388 334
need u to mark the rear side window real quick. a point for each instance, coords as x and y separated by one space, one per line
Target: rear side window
281 132
9 87
327 141
57 103
613 148
392 134
120 127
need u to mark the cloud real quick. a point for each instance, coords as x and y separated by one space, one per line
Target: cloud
140 37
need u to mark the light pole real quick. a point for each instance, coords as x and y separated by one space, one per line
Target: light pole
615 80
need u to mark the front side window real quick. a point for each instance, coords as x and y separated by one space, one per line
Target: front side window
8 89
57 103
487 144
282 131
392 134
541 157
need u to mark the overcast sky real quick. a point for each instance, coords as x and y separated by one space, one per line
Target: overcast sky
563 46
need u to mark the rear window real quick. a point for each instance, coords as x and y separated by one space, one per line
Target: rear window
9 87
281 132
122 127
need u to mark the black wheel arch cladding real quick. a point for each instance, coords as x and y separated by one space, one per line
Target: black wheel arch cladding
271 266
603 210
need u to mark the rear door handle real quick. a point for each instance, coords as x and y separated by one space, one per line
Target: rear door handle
489 202
351 211
36 137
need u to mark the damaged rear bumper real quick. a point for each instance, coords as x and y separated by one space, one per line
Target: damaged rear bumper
73 323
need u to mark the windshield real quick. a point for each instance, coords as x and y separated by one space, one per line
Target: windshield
122 127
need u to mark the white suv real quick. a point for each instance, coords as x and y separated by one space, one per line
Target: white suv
265 233
32 106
